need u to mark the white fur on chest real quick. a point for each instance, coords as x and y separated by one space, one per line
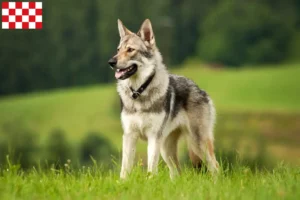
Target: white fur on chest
142 124
145 125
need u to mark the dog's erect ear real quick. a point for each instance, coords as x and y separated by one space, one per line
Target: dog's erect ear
122 29
146 33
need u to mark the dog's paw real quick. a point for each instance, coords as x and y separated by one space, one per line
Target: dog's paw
149 175
123 176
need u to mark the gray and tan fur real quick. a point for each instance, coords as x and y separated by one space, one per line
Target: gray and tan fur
170 107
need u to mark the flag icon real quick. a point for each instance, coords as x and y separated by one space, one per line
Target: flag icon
22 15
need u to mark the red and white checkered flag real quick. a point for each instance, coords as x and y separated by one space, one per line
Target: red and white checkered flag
22 15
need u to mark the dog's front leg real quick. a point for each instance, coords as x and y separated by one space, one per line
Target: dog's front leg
153 154
128 154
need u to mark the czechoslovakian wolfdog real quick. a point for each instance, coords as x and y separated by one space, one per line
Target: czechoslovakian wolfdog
159 107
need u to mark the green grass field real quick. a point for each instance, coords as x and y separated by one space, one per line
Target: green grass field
258 116
92 183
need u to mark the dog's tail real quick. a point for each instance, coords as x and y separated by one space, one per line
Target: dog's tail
196 160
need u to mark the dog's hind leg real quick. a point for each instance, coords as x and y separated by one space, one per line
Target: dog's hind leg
200 139
169 152
207 150
202 147
203 150
196 160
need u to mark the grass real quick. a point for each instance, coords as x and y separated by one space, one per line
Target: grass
92 183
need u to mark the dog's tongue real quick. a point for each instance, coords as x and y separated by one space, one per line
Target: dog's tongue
119 74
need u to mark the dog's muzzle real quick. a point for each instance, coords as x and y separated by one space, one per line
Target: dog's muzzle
123 74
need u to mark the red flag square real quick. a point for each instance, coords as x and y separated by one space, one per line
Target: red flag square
18 4
22 15
4 5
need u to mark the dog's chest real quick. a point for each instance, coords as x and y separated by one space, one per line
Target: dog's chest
142 123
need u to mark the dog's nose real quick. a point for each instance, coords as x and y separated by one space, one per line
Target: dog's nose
112 62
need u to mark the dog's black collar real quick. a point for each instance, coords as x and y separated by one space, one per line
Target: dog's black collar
138 92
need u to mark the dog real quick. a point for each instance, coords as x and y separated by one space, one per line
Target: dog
159 107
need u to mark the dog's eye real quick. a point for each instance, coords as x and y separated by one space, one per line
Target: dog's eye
130 49
118 49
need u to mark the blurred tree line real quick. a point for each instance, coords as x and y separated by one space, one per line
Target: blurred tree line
78 37
23 147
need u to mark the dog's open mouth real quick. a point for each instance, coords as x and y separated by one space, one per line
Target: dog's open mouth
126 73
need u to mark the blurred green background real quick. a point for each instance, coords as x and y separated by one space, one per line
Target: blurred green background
58 102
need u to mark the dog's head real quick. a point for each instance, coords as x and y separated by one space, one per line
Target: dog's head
135 51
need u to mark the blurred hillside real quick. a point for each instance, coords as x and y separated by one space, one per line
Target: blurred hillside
78 37
258 113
